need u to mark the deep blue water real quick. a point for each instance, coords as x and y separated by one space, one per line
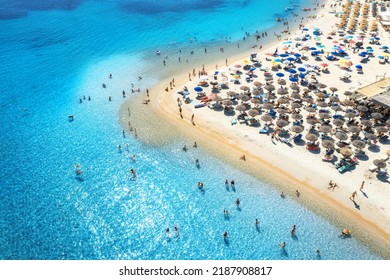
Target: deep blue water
54 52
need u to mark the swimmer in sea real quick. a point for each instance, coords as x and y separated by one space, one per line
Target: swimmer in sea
282 244
185 148
293 229
225 235
238 202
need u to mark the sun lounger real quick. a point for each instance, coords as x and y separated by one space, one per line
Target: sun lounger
233 121
265 129
373 168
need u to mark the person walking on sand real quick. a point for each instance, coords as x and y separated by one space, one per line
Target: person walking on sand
192 118
353 196
361 186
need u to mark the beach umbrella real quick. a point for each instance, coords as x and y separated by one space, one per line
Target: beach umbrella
381 129
348 93
255 100
282 91
388 121
270 95
266 118
362 108
213 83
215 97
302 75
334 99
354 129
346 151
377 116
281 123
325 116
366 123
370 136
293 79
349 115
198 89
296 116
269 87
324 64
336 107
279 74
245 88
241 107
320 94
359 67
283 100
325 128
380 163
301 69
281 111
321 85
359 144
306 90
297 128
311 137
333 89
348 102
296 105
231 93
227 102
257 83
268 106
296 95
338 122
282 82
310 109
292 71
244 97
294 86
327 144
341 136
253 112
322 104
311 120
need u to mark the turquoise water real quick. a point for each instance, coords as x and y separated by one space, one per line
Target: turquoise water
54 52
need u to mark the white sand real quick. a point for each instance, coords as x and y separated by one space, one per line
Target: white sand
294 165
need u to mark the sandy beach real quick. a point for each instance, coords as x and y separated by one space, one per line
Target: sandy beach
292 167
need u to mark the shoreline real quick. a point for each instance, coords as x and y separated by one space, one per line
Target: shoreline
366 227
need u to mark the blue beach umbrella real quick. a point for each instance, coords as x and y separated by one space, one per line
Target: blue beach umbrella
385 47
334 53
305 29
362 54
359 66
316 33
279 74
297 55
198 89
293 79
302 75
283 55
381 57
330 57
313 48
301 69
277 60
292 71
290 58
377 38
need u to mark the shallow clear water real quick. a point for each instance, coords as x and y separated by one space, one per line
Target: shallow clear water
54 52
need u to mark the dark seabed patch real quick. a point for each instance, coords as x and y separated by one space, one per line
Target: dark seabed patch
151 7
12 9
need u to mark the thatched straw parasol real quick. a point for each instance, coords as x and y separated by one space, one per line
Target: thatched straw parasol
296 105
377 116
325 128
255 100
325 116
362 108
359 144
245 88
282 91
241 107
380 163
322 104
327 144
215 97
348 102
253 112
244 97
297 128
269 87
296 116
231 93
227 102
310 109
370 136
257 83
341 136
346 151
354 129
281 123
283 100
268 106
338 122
296 95
366 123
266 118
281 111
311 137
334 99
381 129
